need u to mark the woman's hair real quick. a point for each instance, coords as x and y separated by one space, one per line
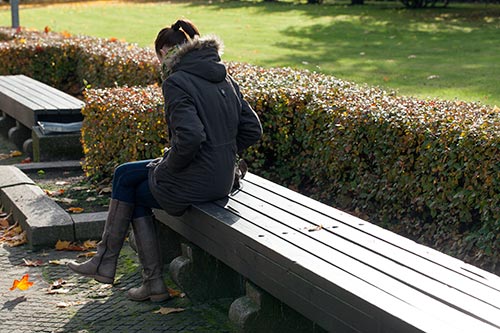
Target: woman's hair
178 33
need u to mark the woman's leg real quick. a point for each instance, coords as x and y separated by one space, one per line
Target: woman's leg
102 266
131 184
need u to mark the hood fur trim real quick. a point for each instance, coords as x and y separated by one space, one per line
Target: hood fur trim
196 43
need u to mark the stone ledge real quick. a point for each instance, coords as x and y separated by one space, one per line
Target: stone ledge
12 176
44 221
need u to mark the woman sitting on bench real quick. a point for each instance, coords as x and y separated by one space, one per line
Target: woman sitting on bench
209 123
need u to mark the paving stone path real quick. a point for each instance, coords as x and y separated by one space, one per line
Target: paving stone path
85 305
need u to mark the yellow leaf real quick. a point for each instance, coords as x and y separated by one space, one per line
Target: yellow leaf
15 153
62 245
90 244
75 210
22 284
87 254
165 311
175 293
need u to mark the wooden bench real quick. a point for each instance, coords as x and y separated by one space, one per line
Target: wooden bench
341 272
24 102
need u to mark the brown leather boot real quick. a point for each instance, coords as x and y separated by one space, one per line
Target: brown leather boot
102 266
148 248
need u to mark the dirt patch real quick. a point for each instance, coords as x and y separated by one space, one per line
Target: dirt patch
72 190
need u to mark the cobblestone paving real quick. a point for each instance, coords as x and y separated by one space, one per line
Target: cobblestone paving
87 306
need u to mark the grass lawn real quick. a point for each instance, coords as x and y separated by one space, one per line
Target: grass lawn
450 53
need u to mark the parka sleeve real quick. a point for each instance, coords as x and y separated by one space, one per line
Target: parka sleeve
188 132
249 127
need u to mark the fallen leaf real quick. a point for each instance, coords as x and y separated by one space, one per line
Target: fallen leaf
105 190
15 153
4 221
87 254
315 228
69 246
4 156
60 261
62 245
33 263
165 311
176 293
90 244
62 182
57 291
14 235
54 193
58 283
27 160
75 210
63 304
67 201
22 284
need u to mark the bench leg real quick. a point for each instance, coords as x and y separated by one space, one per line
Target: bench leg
202 277
6 123
258 311
19 134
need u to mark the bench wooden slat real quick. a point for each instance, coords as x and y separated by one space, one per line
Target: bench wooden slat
440 281
366 265
406 244
51 98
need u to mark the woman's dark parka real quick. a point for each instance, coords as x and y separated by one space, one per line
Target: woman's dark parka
208 121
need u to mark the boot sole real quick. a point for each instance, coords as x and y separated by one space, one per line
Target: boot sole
153 298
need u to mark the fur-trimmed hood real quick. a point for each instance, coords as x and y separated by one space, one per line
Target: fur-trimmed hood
200 57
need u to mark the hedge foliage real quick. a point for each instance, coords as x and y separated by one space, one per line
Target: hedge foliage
71 63
428 169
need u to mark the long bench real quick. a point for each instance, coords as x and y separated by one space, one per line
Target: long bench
24 102
341 272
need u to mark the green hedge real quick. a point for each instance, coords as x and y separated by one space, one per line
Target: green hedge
427 169
71 63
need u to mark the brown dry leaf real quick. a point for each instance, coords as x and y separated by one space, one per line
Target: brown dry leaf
54 193
315 228
176 293
75 210
4 221
62 245
33 263
14 235
67 201
57 291
165 311
4 156
90 244
87 254
69 246
57 287
63 304
105 190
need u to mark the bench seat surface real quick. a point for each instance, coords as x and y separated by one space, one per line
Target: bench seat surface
28 100
342 272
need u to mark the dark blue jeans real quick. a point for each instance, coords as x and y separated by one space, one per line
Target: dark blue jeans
130 184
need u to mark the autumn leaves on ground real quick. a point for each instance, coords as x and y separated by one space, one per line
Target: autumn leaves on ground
12 235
